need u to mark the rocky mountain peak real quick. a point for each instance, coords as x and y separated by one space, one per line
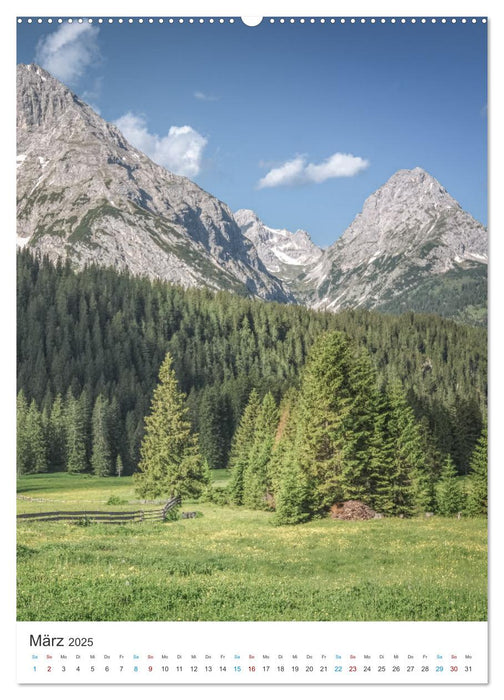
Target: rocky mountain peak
49 108
288 256
41 99
285 254
409 231
415 187
85 193
408 200
248 220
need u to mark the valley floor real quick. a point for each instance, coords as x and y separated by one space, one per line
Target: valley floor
234 564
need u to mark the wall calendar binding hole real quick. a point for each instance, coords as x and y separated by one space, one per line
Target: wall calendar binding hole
252 21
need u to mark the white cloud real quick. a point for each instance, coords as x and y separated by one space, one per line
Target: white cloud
299 172
67 52
337 165
204 97
180 151
290 173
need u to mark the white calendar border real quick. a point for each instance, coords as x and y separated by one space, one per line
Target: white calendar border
248 8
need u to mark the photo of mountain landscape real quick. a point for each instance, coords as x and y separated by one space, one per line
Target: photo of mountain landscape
252 326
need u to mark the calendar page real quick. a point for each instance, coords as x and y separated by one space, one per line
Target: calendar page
251 349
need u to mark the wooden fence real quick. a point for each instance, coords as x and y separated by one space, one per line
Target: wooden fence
103 516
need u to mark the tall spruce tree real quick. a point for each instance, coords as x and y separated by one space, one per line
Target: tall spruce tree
115 430
468 421
76 435
477 498
381 459
292 497
283 440
449 498
57 438
405 456
35 440
22 444
289 480
360 430
86 411
101 456
170 462
212 419
241 447
256 478
427 475
324 418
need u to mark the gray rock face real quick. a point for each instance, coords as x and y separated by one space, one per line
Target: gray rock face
84 192
285 254
288 256
408 230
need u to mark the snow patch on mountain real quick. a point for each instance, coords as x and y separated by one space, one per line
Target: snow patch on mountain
284 254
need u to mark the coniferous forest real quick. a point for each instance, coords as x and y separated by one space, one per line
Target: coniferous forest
304 407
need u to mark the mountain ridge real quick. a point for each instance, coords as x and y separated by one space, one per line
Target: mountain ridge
411 237
85 193
409 229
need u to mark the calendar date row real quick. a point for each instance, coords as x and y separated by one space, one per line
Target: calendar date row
259 669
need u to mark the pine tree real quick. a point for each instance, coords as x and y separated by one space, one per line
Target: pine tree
241 447
468 423
76 435
116 430
212 419
324 411
283 440
360 431
427 474
57 440
101 457
170 462
292 497
35 440
86 409
405 449
256 479
381 459
130 452
477 499
449 498
22 444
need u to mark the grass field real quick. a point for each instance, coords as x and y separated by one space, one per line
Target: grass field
234 564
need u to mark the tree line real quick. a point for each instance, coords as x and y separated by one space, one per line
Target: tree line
90 345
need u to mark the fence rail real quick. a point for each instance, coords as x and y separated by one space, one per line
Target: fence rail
103 516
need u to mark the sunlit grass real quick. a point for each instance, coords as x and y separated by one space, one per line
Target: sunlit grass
234 564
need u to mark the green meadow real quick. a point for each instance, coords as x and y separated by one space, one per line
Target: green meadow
231 563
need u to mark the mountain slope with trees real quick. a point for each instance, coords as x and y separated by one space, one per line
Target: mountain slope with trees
90 345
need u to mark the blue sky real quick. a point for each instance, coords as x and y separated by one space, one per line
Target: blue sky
298 122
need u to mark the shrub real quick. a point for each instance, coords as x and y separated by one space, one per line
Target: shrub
116 501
